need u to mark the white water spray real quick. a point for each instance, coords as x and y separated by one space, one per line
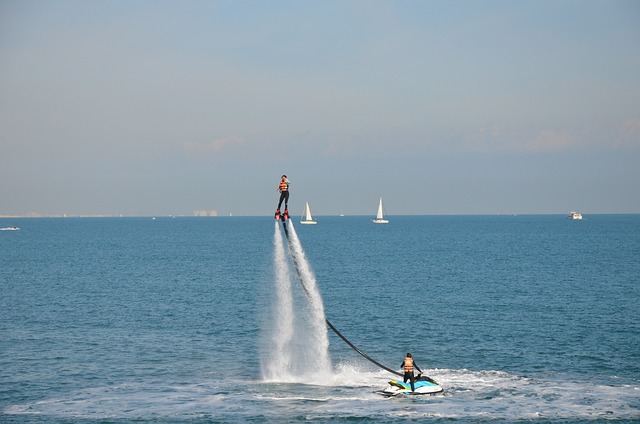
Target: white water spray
298 347
279 357
319 338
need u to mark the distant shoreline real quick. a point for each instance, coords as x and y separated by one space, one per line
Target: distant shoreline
37 216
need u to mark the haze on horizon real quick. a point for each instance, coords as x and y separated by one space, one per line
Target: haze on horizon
166 107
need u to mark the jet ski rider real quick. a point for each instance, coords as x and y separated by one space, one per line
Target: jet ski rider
408 365
283 187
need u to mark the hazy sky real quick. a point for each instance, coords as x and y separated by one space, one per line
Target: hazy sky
165 107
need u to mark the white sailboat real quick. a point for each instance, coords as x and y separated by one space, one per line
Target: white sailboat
379 216
308 219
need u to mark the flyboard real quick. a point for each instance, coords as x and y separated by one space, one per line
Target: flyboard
284 216
423 385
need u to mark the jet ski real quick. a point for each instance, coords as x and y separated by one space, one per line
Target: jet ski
423 386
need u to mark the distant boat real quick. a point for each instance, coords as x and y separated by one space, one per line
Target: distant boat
574 215
308 219
380 216
9 229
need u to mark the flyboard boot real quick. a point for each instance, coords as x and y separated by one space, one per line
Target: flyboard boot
285 216
277 215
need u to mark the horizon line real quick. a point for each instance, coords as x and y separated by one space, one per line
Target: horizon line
37 216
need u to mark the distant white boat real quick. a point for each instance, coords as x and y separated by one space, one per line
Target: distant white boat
9 229
308 219
574 215
380 216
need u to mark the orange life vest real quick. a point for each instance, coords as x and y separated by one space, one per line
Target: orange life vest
283 186
408 364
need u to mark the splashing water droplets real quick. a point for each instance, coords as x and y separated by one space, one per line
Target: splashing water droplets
298 346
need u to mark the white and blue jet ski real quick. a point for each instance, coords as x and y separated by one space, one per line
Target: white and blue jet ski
423 386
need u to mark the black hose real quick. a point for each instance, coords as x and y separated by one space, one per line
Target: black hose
367 357
335 330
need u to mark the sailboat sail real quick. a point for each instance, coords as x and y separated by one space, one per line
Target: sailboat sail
308 219
380 216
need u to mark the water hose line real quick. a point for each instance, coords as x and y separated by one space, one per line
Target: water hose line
334 329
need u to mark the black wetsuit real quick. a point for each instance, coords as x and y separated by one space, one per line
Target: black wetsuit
284 195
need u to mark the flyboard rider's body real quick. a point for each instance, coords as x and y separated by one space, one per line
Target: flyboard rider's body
408 365
283 188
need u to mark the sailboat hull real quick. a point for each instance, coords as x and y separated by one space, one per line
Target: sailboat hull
380 221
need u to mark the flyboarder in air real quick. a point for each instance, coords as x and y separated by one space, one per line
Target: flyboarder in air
283 188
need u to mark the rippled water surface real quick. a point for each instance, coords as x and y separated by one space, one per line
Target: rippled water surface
165 320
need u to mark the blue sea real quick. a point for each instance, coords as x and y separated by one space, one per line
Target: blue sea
121 320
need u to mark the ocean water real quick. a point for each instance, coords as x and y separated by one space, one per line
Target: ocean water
204 320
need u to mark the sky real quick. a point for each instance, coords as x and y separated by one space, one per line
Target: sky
155 107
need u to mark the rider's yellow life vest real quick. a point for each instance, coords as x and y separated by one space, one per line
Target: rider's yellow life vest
408 364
